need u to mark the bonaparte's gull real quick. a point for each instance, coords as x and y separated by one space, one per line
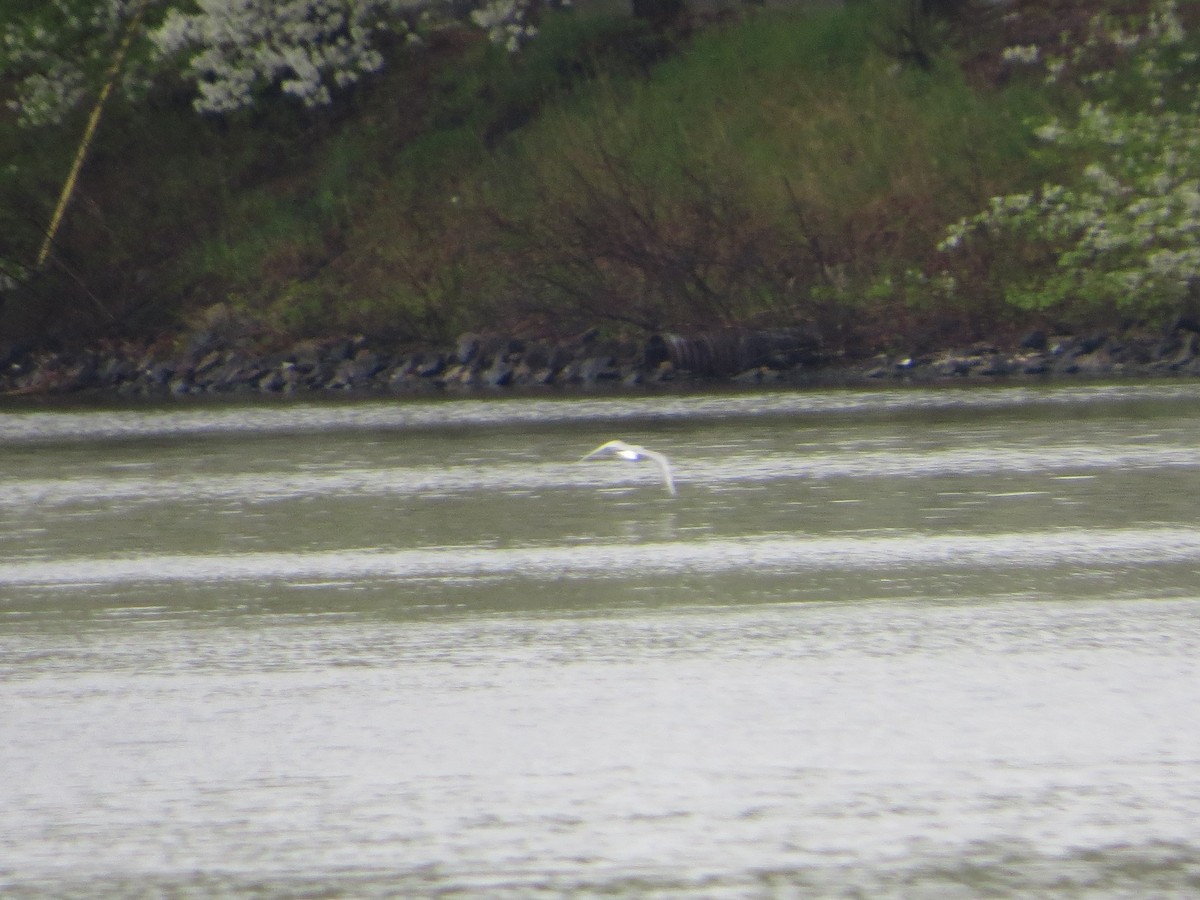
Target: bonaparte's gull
633 453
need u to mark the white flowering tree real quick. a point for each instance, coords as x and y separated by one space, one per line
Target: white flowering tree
55 54
1124 232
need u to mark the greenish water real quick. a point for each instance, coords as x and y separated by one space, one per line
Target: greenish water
899 643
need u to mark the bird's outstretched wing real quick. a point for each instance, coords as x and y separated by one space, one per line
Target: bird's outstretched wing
609 445
665 465
633 453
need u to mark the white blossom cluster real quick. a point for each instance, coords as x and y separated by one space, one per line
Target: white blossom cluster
1125 233
1025 54
1161 26
233 48
506 22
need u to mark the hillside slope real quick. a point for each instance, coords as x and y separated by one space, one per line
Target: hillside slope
770 169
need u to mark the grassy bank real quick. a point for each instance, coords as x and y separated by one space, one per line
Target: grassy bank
773 168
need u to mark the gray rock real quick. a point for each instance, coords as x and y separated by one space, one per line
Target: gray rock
1035 340
1099 362
731 351
275 381
208 362
356 372
538 355
467 348
306 356
996 366
1186 352
750 376
595 368
499 375
428 365
956 366
114 370
1090 344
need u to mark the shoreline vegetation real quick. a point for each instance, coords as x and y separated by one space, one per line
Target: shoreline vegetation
928 191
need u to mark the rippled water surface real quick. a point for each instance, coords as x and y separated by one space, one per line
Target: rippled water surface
891 643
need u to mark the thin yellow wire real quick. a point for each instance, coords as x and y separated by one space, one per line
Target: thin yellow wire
89 133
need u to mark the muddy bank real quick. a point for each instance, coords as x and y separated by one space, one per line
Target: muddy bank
217 362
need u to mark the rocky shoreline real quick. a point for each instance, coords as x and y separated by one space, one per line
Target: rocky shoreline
215 362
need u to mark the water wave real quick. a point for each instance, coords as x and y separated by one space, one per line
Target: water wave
770 554
266 487
18 426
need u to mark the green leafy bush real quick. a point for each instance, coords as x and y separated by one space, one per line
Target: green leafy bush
1122 234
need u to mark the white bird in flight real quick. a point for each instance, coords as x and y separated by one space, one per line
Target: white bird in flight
634 453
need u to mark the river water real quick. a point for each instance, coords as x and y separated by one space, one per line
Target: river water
903 643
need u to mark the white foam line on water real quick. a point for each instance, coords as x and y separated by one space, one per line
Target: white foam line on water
285 485
1099 549
18 426
959 461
